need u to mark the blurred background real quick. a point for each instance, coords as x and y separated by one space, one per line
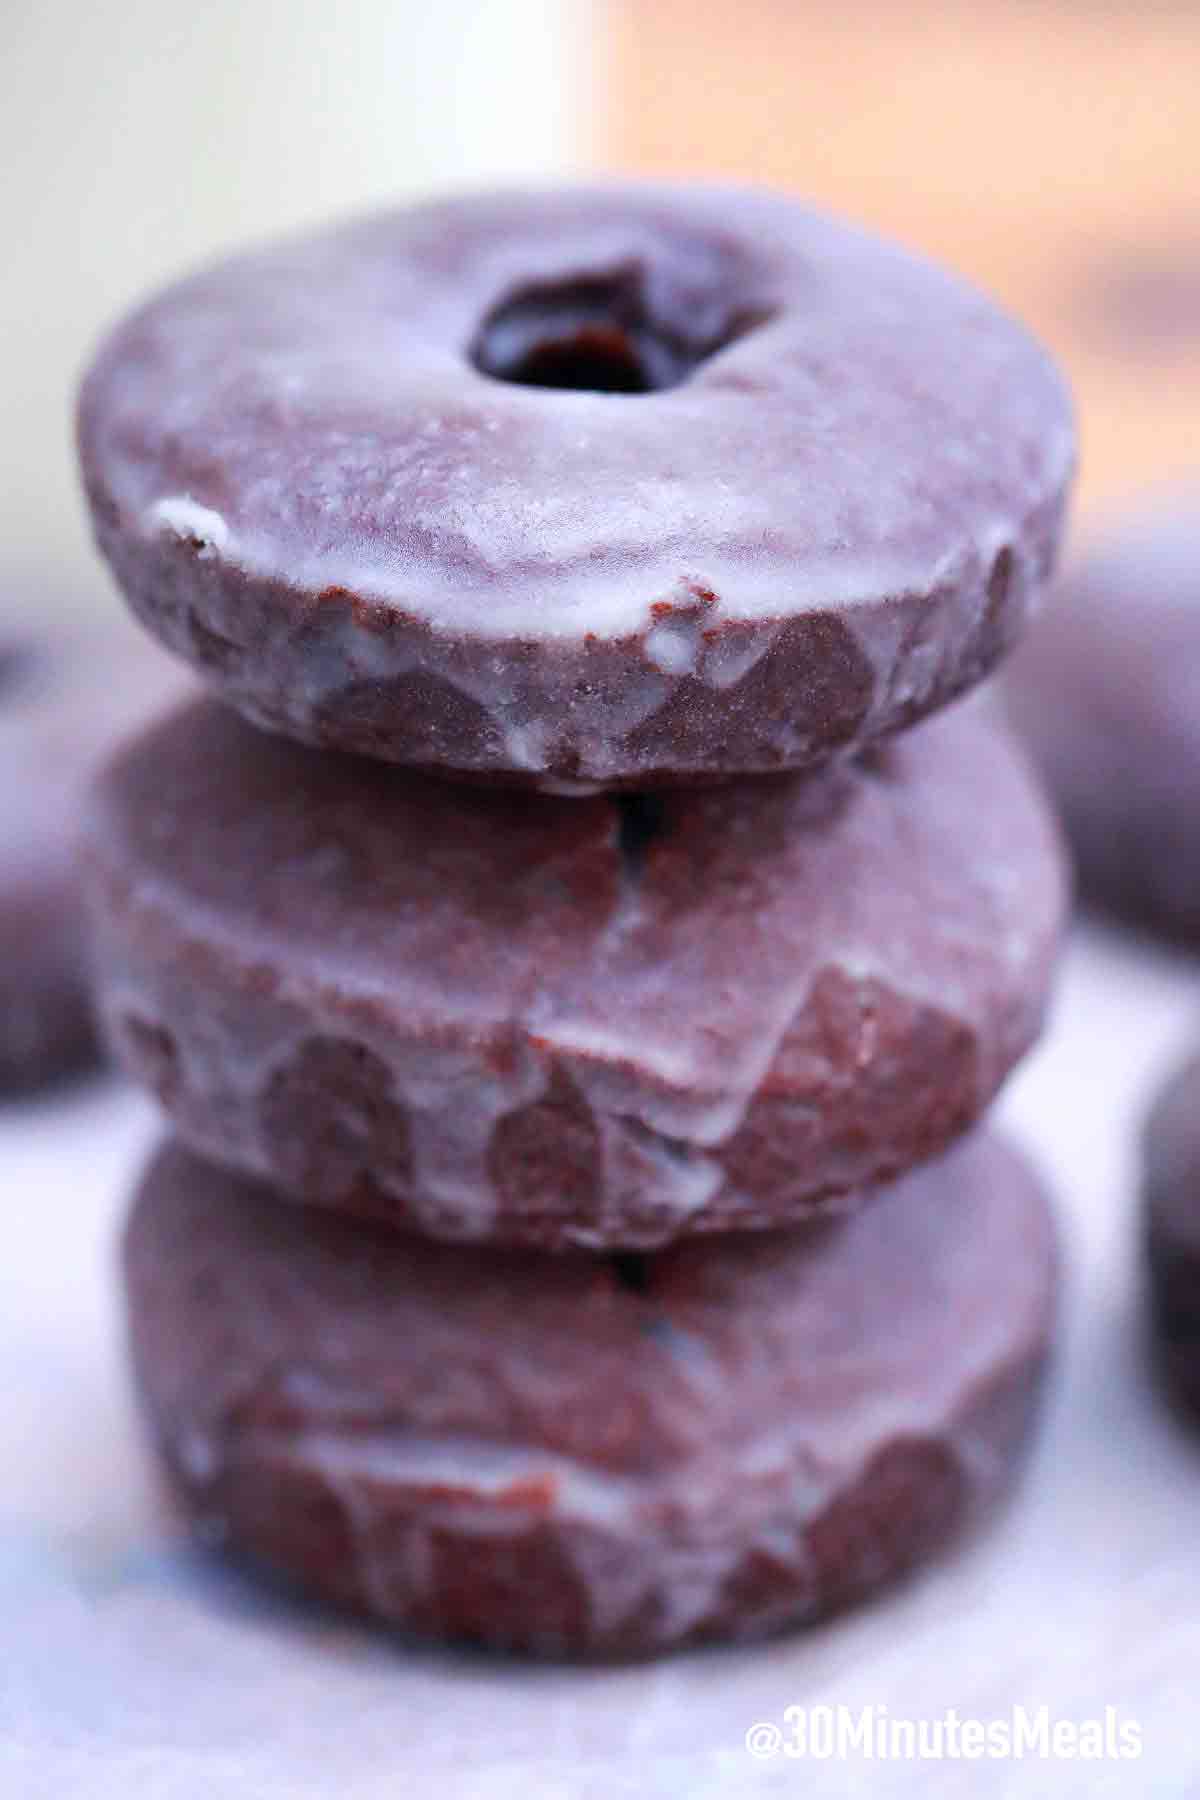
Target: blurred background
140 136
1051 151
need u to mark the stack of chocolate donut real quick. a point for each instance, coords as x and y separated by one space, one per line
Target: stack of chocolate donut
571 996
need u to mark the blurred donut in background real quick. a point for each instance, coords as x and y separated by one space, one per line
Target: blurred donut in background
1106 690
1171 1232
1144 304
69 691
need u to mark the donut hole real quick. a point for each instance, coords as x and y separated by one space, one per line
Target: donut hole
631 1271
598 334
641 819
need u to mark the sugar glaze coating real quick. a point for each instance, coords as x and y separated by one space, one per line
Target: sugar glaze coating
832 511
564 1454
591 1021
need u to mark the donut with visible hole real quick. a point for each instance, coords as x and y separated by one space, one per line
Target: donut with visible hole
594 488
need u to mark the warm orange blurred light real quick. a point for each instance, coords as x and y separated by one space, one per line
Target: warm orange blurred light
1051 152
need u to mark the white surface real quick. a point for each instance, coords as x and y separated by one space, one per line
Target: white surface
128 1665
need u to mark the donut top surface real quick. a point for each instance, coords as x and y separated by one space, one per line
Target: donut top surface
539 415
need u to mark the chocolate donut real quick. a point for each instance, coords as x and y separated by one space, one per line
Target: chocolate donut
1107 693
608 487
1171 1232
66 695
603 1021
582 1453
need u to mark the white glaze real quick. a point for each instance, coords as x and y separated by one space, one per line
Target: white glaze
885 431
909 894
889 1332
196 525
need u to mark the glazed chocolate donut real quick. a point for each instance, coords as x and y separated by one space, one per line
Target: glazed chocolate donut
611 487
582 1453
1107 693
1171 1232
603 1021
66 695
